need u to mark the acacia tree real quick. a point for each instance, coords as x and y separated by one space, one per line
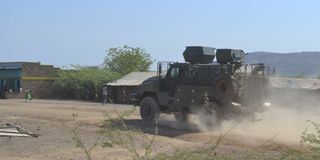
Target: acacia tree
127 59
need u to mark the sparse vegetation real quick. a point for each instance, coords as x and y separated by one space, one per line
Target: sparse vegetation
170 143
118 133
310 145
141 146
79 143
81 82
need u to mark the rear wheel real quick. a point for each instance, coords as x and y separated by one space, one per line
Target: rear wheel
225 89
149 109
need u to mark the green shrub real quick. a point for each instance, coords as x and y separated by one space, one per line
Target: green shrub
81 83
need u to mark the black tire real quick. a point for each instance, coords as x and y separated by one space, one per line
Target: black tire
182 116
149 109
224 89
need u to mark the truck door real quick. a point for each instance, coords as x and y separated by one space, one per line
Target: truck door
171 80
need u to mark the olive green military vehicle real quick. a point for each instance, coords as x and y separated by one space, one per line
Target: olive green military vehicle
216 90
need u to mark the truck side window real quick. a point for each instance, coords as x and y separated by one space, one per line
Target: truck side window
174 73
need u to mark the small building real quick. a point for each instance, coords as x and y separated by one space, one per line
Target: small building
121 89
17 77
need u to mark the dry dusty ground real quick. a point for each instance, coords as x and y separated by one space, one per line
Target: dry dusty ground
54 121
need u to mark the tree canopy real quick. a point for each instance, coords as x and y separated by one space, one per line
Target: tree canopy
127 59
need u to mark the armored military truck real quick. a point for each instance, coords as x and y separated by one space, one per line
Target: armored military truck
213 83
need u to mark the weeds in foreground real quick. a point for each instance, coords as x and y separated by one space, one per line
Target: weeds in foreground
79 143
118 133
141 147
251 154
310 145
209 151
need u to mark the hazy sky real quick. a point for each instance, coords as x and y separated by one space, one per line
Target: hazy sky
63 32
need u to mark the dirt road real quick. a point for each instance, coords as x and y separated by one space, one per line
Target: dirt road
54 120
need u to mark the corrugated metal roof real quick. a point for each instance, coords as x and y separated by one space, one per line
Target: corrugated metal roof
133 79
294 83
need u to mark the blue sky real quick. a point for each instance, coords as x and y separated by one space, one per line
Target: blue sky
63 32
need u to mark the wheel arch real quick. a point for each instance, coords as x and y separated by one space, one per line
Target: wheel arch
149 94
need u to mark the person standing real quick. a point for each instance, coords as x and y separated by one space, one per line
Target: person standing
28 95
104 94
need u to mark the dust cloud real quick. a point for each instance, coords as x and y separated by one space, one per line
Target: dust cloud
287 123
287 118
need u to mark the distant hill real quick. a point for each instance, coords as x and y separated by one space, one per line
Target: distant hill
299 64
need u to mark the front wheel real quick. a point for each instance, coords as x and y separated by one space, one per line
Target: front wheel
149 109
